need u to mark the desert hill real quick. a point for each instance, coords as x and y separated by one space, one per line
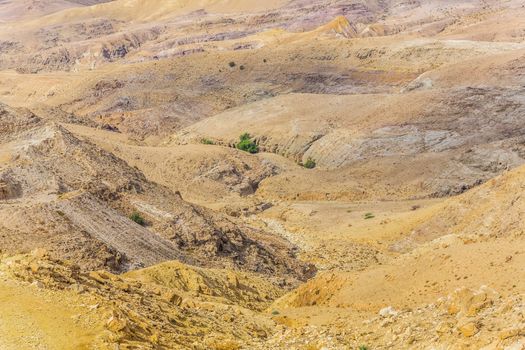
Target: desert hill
462 245
81 196
16 10
284 174
105 309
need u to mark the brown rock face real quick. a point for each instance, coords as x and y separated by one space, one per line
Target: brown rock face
9 190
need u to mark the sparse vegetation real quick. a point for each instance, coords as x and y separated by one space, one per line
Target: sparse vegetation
241 67
135 216
369 216
310 164
206 141
246 144
232 64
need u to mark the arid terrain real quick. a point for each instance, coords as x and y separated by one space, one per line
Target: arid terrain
280 174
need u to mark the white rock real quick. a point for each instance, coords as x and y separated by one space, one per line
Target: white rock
387 311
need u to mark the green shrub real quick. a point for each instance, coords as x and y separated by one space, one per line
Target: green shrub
275 312
207 142
246 144
232 64
369 216
309 164
138 219
363 347
241 67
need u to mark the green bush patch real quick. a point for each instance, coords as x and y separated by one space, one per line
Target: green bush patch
310 163
246 144
205 141
138 219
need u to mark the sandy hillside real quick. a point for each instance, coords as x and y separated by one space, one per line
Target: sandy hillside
284 174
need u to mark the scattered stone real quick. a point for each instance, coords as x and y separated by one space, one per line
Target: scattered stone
387 312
